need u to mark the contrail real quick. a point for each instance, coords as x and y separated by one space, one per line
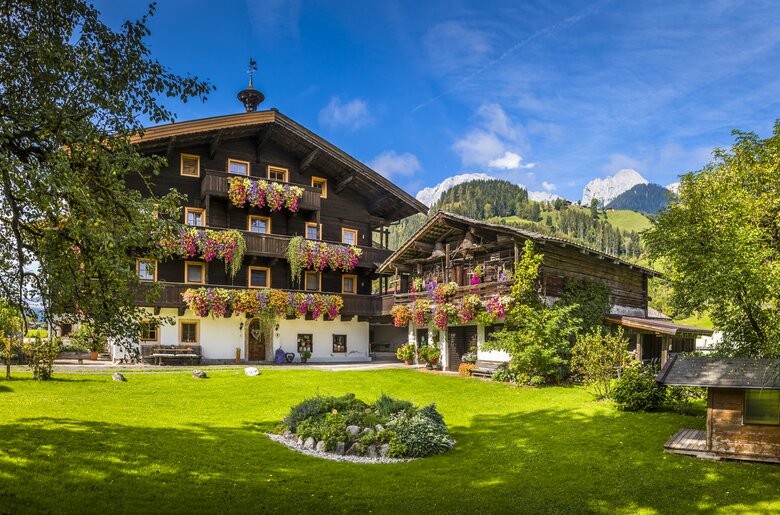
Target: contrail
568 22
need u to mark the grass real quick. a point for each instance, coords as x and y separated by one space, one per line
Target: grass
171 443
701 320
621 218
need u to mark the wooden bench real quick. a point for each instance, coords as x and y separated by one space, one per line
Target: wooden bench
485 368
159 353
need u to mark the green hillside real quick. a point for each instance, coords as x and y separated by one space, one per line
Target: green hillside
625 220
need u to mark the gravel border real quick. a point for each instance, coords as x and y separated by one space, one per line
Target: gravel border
292 443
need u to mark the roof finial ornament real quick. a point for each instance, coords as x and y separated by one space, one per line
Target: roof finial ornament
251 97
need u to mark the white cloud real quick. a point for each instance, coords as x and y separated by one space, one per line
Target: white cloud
496 120
493 143
478 147
509 161
390 163
548 186
350 115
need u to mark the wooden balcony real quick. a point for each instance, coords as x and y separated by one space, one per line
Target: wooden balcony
170 297
484 290
215 183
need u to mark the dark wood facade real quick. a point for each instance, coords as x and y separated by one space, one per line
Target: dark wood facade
729 434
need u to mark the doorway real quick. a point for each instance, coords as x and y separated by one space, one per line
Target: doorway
460 340
256 341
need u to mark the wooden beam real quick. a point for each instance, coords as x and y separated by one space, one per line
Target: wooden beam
308 160
260 139
343 183
422 246
215 144
169 150
381 198
182 310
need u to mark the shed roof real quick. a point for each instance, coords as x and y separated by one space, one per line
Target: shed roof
721 372
656 325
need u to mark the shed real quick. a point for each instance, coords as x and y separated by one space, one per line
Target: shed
743 407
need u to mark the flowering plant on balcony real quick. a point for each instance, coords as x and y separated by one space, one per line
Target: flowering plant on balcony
476 275
264 302
468 308
401 315
260 193
444 292
494 309
421 313
318 255
444 315
228 246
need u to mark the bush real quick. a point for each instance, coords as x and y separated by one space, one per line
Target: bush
386 405
682 399
508 373
320 405
418 435
636 390
39 355
465 369
405 352
596 358
470 356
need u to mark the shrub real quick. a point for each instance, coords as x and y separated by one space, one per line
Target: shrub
596 358
682 399
470 356
320 405
429 354
636 390
405 352
508 373
465 369
386 405
418 435
39 355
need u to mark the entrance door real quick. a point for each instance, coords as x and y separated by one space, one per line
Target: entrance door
460 340
256 341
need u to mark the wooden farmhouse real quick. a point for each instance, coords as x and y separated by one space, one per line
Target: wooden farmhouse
743 407
452 247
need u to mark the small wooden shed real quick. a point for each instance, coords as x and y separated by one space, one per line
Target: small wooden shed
743 407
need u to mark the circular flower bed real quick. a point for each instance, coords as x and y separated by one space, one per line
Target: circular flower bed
386 429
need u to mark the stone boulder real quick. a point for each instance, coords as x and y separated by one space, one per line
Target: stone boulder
372 451
384 449
354 450
340 448
320 446
251 371
199 374
118 377
379 428
309 443
353 430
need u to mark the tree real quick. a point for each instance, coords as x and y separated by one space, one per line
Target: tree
594 208
597 356
72 93
536 214
535 335
719 240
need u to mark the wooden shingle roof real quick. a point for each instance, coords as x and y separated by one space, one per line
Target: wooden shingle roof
721 372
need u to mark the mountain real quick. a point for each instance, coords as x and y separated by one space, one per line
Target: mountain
645 198
429 196
674 187
609 188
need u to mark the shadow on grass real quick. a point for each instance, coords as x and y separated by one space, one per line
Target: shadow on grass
541 461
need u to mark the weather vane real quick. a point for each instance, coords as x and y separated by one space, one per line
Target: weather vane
251 70
251 97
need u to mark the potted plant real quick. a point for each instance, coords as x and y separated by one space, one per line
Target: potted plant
305 355
405 353
430 354
86 337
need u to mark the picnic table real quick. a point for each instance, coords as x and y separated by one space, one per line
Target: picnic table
163 352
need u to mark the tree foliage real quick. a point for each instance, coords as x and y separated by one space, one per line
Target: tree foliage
597 356
719 241
72 93
590 301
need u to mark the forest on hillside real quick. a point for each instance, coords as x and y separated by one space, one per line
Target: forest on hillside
502 202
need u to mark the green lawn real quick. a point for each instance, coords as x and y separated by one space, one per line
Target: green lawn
167 442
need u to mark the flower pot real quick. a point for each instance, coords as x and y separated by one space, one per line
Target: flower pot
93 355
408 361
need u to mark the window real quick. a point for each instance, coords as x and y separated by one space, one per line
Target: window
349 236
305 342
348 284
146 269
188 331
149 332
321 184
238 167
311 281
313 231
259 277
194 272
261 224
277 174
190 165
195 216
762 407
339 343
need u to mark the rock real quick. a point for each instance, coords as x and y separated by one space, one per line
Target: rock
118 377
379 428
287 433
354 450
199 374
365 430
340 448
384 449
353 430
309 443
300 441
251 371
320 446
372 451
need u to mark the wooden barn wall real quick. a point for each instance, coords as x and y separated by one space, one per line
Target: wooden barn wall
727 432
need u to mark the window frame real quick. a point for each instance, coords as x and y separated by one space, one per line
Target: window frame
200 210
272 168
182 157
156 338
344 231
324 182
187 265
306 336
354 283
239 161
251 218
197 331
316 226
333 348
752 422
138 269
267 271
306 274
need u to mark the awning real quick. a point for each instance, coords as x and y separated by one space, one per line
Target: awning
656 325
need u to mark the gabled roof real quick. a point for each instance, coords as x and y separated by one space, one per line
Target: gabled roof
387 200
445 218
656 325
721 372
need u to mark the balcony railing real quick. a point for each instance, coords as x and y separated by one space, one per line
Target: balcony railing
170 297
215 183
482 289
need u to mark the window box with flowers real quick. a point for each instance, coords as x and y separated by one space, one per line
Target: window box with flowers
243 191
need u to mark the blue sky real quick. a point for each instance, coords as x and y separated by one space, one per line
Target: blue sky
547 94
